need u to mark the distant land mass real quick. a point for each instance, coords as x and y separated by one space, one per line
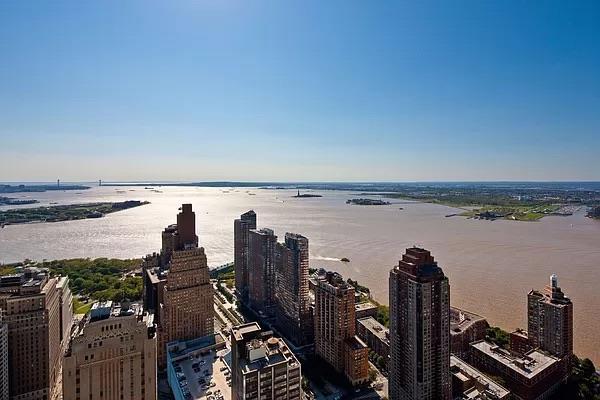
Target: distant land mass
38 188
64 212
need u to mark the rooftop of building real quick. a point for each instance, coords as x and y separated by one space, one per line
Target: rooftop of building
461 319
355 343
200 368
238 332
419 263
529 365
364 306
373 326
331 278
266 352
262 349
485 387
30 280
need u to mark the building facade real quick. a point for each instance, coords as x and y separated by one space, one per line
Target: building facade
293 317
261 271
112 355
66 310
375 335
241 229
335 328
419 329
465 328
30 306
177 285
3 360
263 367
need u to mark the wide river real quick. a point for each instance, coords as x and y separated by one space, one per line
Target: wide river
491 265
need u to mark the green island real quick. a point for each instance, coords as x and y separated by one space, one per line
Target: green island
64 212
492 206
92 279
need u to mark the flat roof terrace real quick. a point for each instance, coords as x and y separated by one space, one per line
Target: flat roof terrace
529 365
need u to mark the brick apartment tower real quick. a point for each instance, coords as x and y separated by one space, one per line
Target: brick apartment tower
30 308
335 328
187 309
241 228
419 329
550 320
261 271
294 317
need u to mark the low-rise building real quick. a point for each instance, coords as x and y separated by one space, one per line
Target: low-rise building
112 355
196 369
263 367
534 376
364 310
469 383
375 335
465 328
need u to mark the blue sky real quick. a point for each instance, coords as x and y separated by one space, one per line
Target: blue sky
304 90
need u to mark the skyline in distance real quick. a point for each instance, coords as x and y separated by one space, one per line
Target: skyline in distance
271 91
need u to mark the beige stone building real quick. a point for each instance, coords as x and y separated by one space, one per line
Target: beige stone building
30 305
177 285
112 355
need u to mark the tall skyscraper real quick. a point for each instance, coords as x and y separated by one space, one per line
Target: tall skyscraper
241 228
30 306
294 316
550 320
419 329
335 328
177 285
112 355
261 271
263 367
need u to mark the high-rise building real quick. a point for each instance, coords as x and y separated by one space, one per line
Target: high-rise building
30 306
177 285
419 329
112 355
241 228
550 320
261 271
335 328
294 317
263 367
3 360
